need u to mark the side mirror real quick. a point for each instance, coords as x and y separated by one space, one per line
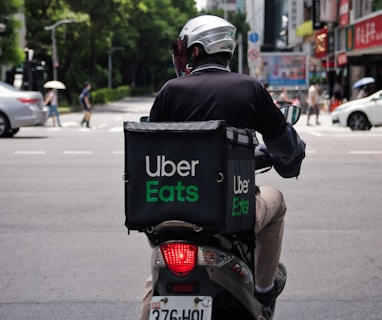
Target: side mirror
291 113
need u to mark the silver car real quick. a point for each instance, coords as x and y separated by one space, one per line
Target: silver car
20 108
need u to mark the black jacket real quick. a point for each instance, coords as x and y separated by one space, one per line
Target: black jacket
211 92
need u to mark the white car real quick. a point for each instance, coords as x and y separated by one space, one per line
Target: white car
360 114
20 108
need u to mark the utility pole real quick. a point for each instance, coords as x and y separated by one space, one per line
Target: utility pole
53 27
110 64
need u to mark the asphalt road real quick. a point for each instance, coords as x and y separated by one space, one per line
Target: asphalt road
65 253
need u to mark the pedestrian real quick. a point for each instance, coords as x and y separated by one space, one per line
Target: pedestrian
51 100
363 92
338 91
283 98
313 107
206 90
85 103
264 72
337 95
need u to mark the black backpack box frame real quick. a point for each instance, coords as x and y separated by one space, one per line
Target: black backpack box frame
199 172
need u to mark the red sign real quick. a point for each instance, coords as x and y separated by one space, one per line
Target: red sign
253 54
321 41
327 64
368 33
344 12
342 59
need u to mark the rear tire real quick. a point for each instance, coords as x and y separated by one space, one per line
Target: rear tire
359 121
4 126
12 132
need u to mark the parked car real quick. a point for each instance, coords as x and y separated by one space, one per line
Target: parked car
360 114
20 108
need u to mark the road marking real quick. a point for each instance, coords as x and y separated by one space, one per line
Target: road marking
116 129
77 152
119 152
30 152
317 134
102 125
365 152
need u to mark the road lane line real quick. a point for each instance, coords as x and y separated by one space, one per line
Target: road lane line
317 134
365 152
116 129
77 152
33 152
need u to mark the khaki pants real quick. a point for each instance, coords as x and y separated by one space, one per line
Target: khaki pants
269 230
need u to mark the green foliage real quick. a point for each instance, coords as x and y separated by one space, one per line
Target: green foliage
9 38
106 95
144 29
377 5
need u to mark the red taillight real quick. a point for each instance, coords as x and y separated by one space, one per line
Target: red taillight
180 258
28 100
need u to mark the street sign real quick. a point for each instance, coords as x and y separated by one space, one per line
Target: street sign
253 37
253 54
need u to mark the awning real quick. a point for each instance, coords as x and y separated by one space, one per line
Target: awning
305 29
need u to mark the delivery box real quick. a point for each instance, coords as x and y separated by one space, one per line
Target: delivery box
199 172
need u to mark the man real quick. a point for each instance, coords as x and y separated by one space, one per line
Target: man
313 103
208 91
85 103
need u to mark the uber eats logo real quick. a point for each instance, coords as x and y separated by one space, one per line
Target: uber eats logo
162 167
240 205
177 191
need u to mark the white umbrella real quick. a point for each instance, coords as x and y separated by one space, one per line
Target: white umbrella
54 84
363 82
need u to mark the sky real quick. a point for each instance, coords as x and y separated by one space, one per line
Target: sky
200 4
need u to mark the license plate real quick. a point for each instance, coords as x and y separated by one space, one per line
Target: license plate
181 308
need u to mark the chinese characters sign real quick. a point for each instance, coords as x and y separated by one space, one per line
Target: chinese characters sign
368 33
321 42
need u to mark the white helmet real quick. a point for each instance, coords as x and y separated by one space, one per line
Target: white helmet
213 33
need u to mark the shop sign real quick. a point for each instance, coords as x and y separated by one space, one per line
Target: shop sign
321 42
368 33
317 23
350 38
328 10
344 13
342 59
331 42
327 64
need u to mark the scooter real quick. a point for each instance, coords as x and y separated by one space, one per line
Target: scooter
202 275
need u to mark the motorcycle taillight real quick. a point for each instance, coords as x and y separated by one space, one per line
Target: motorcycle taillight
180 258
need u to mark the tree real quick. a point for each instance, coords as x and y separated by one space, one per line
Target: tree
10 52
238 20
144 29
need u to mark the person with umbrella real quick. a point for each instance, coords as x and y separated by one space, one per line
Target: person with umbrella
363 92
51 100
362 86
